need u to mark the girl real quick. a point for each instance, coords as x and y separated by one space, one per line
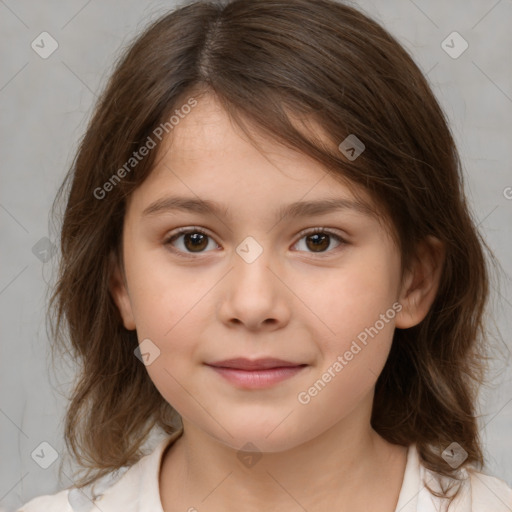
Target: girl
267 255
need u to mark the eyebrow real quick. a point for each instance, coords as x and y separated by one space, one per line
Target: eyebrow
297 209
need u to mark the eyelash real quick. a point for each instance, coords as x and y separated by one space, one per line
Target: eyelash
302 234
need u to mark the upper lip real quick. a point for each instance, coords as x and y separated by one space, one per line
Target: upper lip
243 363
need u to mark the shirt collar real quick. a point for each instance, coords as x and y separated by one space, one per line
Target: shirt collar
139 490
150 476
414 495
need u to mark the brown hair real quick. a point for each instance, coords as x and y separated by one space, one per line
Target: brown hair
272 63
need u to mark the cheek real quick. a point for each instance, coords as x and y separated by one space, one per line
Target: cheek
164 296
355 321
169 315
348 370
167 307
353 298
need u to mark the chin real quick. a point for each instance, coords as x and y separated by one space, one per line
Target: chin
266 436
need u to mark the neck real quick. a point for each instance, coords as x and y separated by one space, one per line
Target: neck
346 468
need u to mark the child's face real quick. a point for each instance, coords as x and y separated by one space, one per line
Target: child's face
301 300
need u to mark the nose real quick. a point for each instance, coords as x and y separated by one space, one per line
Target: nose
254 296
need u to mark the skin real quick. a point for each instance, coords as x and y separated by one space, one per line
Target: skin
291 302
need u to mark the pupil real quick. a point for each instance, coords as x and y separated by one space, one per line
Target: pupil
317 237
196 240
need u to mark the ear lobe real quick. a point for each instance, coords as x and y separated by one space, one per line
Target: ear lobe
119 292
421 283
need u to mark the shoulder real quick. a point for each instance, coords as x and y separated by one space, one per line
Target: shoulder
118 490
489 493
112 488
55 502
478 492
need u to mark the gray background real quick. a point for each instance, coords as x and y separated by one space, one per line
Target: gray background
44 107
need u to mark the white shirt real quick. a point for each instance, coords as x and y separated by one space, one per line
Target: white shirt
136 489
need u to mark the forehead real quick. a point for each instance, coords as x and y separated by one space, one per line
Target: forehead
208 159
208 133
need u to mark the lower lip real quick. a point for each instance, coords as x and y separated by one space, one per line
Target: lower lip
257 379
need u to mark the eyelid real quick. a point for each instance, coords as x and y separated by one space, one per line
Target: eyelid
188 229
330 231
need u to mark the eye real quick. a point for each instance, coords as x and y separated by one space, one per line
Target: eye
319 239
195 240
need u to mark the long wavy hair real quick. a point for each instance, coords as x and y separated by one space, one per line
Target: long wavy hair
277 67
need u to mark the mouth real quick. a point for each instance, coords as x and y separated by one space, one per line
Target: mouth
256 374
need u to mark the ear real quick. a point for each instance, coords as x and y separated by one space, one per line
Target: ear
119 291
420 285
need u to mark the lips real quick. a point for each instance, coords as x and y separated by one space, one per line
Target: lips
242 363
256 374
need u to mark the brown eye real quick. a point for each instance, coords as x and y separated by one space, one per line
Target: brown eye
320 240
193 240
